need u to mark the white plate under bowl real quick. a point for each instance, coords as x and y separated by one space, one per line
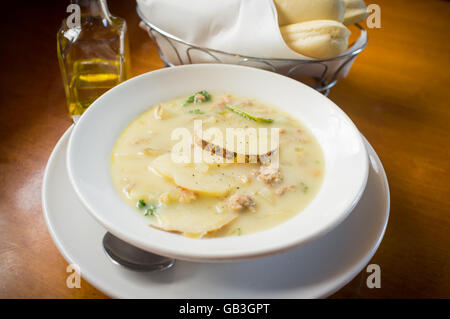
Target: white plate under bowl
316 270
94 136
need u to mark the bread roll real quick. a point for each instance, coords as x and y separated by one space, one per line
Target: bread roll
294 11
319 39
355 11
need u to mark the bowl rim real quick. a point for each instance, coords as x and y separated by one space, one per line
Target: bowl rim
212 256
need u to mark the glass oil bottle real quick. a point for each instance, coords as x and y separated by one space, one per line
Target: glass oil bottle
93 53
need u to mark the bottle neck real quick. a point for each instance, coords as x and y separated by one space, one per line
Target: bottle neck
93 7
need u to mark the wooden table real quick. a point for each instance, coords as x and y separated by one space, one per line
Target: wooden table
395 93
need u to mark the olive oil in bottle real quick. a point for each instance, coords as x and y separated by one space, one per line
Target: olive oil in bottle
93 53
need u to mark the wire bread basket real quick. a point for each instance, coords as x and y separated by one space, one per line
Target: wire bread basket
321 74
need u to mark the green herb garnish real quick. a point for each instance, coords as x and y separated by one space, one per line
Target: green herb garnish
196 111
141 204
247 115
150 210
305 187
195 98
189 100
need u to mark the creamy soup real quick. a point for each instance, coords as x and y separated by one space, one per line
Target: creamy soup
235 188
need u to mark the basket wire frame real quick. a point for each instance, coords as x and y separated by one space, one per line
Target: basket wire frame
323 83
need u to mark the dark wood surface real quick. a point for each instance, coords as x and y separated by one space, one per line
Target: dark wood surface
396 93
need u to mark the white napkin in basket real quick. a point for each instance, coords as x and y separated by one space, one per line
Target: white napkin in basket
244 27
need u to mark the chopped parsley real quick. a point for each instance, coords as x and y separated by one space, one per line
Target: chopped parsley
199 97
196 111
141 204
150 209
304 187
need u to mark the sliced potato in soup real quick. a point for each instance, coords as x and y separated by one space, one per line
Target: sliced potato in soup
196 177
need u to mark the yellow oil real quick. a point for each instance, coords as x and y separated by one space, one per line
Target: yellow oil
91 78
